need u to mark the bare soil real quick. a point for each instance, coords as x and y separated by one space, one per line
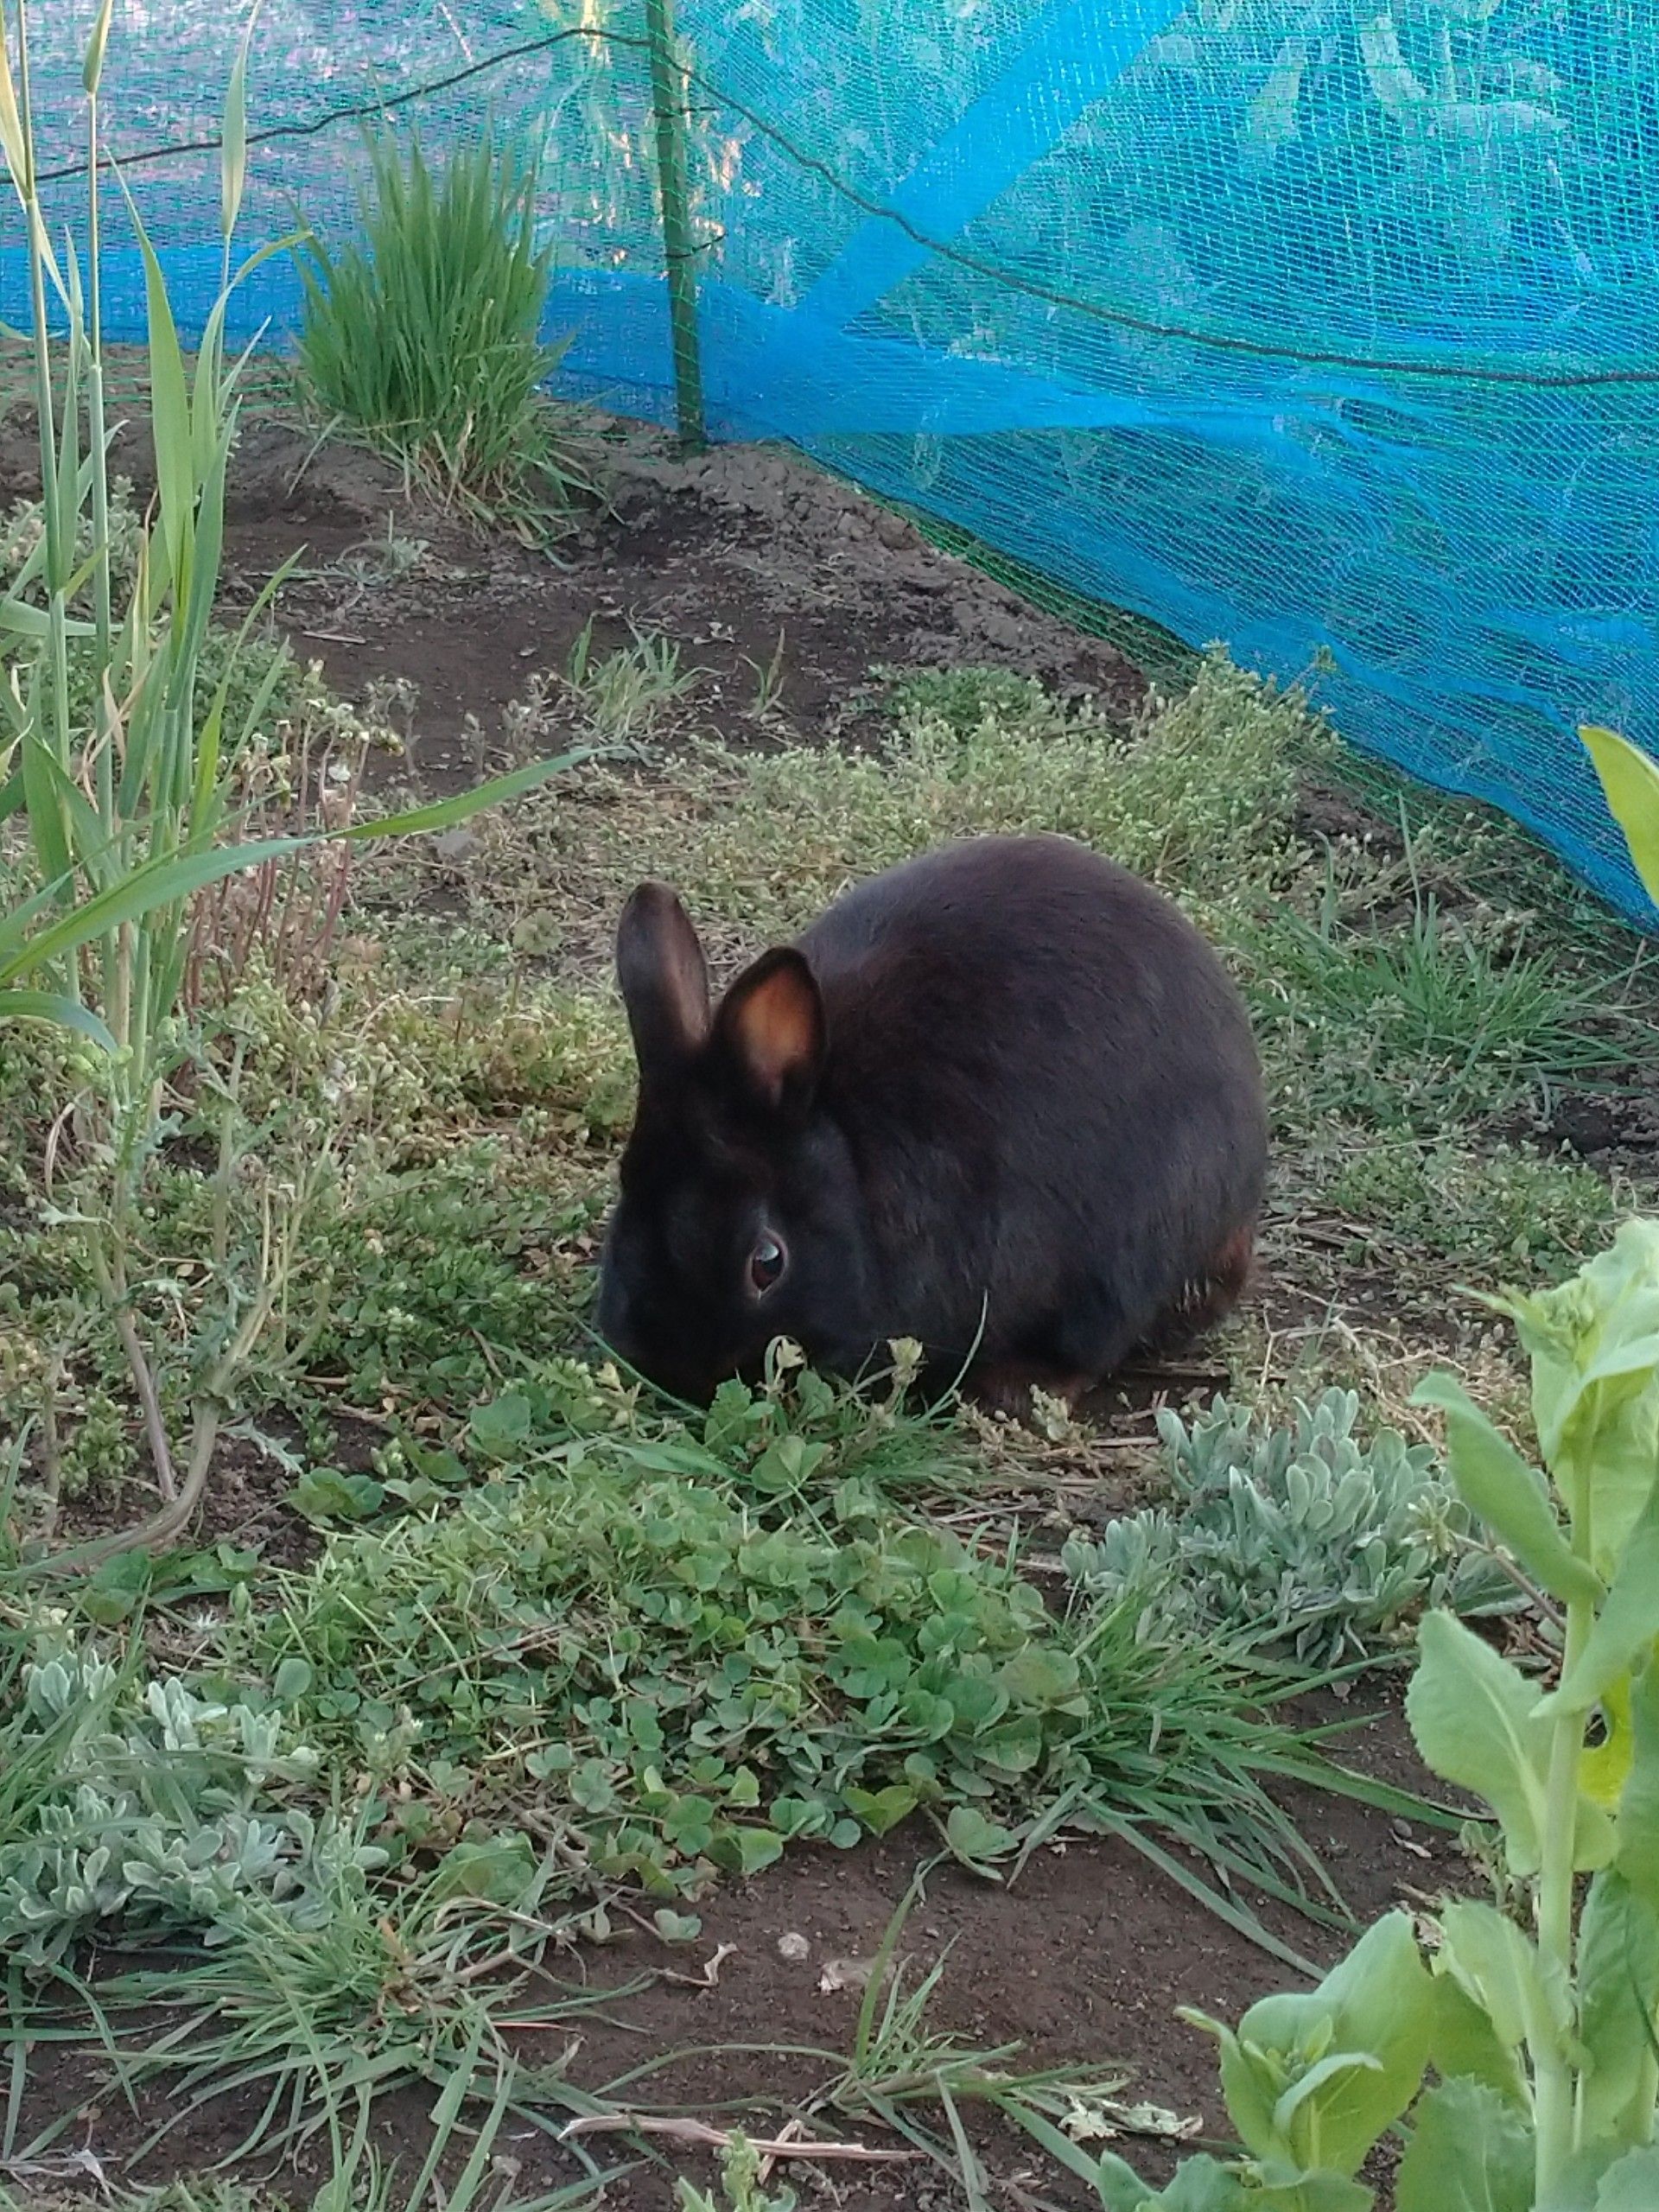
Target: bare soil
744 558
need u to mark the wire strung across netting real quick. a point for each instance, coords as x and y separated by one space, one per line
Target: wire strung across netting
1308 330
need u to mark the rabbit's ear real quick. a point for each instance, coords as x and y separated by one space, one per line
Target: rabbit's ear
771 1029
664 978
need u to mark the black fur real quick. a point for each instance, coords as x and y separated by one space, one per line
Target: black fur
1002 1096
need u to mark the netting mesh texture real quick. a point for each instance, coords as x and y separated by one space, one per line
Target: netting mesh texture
1316 327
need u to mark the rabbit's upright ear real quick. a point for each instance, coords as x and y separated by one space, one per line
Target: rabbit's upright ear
663 979
770 1031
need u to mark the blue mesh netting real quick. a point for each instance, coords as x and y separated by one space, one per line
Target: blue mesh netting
1313 325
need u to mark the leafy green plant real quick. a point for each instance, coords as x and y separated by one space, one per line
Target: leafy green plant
133 1804
740 2188
1302 1535
536 1637
1544 2038
424 335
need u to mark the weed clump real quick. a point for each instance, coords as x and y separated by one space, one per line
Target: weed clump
424 335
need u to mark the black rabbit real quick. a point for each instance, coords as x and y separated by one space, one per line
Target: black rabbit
1002 1100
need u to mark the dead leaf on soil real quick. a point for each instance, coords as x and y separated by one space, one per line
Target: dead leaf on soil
717 2139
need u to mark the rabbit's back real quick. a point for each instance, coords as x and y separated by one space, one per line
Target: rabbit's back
1051 1091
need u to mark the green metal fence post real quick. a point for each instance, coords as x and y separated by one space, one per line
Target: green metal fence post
668 105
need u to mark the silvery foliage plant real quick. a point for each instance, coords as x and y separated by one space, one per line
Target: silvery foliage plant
1306 1536
161 1807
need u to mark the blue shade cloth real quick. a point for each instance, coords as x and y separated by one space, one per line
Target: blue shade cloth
1324 329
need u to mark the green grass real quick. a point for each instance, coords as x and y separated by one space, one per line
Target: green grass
1427 1025
621 694
1509 1208
425 334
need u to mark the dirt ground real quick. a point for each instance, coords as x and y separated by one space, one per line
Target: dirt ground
747 560
744 558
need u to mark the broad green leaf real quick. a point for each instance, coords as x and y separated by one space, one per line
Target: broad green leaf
975 1841
47 827
756 1849
1512 1498
1202 2186
1626 1626
1497 1967
1629 781
1317 2190
1469 2152
499 1869
1249 2084
55 1007
676 1926
1474 1720
1466 2047
26 621
1378 2004
1038 1676
1632 2185
210 464
1594 1346
62 820
502 1427
1318 2087
292 1680
1636 1834
1604 1768
169 413
1574 2187
881 1810
329 1494
1618 1991
119 1585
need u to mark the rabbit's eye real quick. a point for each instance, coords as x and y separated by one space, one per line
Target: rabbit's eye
766 1265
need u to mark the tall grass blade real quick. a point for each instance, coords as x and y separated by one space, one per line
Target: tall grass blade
170 408
13 143
93 69
233 138
53 1006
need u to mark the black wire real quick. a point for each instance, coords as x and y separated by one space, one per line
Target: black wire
362 112
1010 280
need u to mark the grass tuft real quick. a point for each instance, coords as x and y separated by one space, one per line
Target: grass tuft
424 334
